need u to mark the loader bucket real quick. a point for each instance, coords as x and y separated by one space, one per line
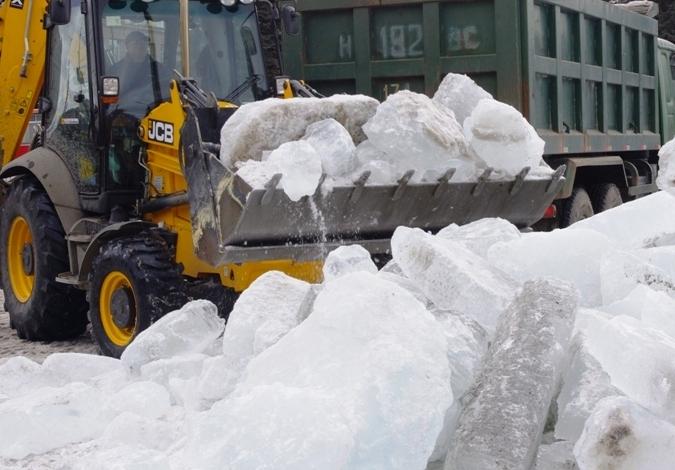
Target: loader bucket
234 223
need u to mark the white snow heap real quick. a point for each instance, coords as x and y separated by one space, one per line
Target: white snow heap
502 423
556 456
622 435
265 125
460 94
19 375
666 178
453 277
330 393
190 329
347 259
502 138
334 145
271 307
415 134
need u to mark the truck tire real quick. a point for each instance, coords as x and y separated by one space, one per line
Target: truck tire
33 251
133 282
606 196
576 208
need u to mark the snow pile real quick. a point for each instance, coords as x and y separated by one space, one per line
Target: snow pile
462 129
463 335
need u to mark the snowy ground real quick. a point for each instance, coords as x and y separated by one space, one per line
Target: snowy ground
11 345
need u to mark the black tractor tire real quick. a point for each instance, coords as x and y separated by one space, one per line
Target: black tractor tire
40 309
133 282
576 208
606 196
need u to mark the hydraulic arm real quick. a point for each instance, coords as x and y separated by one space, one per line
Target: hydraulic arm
23 44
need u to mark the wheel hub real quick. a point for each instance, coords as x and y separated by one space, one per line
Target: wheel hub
123 308
27 259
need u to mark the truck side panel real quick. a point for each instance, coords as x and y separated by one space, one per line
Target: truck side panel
584 72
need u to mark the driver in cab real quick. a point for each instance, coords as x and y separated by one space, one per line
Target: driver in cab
140 76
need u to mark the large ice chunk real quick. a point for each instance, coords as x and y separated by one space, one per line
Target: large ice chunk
556 456
453 277
479 236
584 385
666 178
191 329
135 430
272 306
649 218
415 134
570 255
621 435
502 423
502 138
299 165
347 259
467 343
146 399
460 94
621 272
334 145
265 125
50 418
19 375
77 367
654 308
330 394
638 359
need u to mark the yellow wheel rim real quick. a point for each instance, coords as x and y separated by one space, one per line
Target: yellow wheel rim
20 259
114 284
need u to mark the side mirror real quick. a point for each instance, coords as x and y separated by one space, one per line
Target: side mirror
291 20
58 12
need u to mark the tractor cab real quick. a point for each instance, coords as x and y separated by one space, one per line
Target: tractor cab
113 62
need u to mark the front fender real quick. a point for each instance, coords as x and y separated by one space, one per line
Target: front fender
53 174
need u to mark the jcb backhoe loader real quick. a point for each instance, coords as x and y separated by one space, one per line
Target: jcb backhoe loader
122 210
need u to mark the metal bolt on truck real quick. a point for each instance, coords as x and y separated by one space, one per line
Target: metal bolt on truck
122 210
593 78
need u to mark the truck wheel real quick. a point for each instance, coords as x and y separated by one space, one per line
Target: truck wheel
605 197
578 207
133 283
33 252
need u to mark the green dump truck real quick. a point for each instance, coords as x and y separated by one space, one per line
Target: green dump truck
593 78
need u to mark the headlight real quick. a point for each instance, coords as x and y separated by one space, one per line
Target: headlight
228 3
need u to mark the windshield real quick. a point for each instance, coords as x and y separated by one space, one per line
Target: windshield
141 46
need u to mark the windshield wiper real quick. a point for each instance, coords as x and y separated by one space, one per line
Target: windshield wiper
241 89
